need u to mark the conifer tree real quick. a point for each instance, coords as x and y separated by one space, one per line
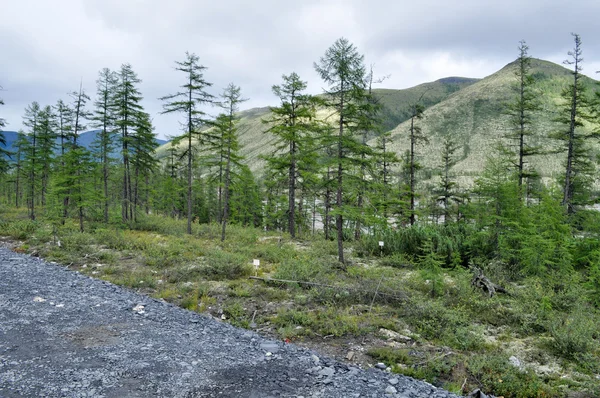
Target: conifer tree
143 161
128 108
520 112
367 125
573 140
4 154
416 137
388 197
189 102
20 145
31 166
293 123
343 69
64 132
73 181
227 145
46 140
246 206
64 125
446 193
104 118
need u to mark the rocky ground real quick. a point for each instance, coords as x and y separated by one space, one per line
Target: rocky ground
63 334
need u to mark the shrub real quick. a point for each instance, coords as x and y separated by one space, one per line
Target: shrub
303 269
573 335
224 265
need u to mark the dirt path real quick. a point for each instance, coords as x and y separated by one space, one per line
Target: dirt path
63 334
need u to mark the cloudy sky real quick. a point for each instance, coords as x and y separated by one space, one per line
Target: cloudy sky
47 47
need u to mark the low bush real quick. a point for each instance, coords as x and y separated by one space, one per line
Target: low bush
224 265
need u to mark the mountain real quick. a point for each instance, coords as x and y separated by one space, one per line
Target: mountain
474 117
84 139
255 142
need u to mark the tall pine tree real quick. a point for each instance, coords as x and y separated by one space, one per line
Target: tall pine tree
521 111
104 118
293 123
189 102
572 138
343 69
128 110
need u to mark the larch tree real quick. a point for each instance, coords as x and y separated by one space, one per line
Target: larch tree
573 139
143 161
293 123
128 109
46 142
228 144
104 118
521 111
31 164
416 137
342 68
73 181
4 154
64 133
446 193
189 101
20 146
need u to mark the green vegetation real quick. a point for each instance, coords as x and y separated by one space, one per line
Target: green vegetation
469 269
426 320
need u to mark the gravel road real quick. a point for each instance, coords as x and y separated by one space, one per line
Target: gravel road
63 334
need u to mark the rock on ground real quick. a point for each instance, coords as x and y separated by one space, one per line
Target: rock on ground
63 334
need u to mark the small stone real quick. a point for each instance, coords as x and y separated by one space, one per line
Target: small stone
327 372
381 365
393 381
270 347
268 354
315 359
139 309
350 355
514 361
390 390
39 299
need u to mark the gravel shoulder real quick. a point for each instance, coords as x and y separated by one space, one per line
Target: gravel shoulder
63 334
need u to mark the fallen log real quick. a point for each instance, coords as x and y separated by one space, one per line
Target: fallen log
482 282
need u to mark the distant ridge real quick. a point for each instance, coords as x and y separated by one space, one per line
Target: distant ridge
84 139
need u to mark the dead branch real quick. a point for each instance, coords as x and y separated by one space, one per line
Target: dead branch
484 283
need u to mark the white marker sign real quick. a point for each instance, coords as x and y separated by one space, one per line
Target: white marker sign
380 243
256 263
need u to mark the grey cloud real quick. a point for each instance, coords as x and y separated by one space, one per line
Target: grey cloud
52 45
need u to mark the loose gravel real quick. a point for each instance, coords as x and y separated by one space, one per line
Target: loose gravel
63 334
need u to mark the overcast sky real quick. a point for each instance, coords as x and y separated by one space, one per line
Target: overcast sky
47 47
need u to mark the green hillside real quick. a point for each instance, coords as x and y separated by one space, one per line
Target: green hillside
395 104
471 110
475 117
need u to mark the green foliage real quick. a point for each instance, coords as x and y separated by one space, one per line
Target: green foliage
225 265
304 269
574 335
448 241
497 375
21 230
